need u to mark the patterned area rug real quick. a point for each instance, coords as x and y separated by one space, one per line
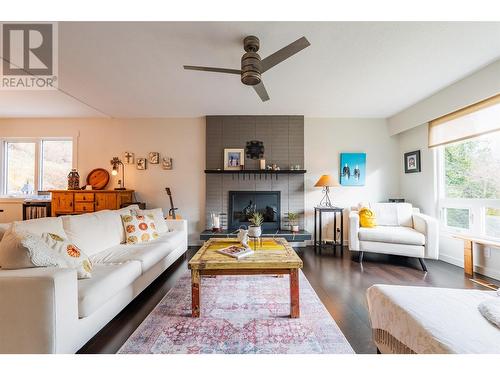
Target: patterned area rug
239 314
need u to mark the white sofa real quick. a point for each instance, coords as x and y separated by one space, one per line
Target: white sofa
48 310
401 230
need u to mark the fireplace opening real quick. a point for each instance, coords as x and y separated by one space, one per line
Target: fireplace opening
242 204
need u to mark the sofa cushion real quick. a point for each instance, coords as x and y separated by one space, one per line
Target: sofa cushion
393 214
148 253
13 255
94 232
107 281
139 228
4 228
40 226
389 234
51 250
158 216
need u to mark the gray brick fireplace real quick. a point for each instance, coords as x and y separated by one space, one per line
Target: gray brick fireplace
283 138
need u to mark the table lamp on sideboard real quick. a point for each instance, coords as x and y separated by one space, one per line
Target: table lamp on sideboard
326 181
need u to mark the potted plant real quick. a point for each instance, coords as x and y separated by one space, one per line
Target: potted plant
293 218
255 229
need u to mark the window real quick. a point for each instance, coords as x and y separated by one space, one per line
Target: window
470 185
20 176
30 165
57 161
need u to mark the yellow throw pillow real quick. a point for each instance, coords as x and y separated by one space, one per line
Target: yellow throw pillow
367 218
139 228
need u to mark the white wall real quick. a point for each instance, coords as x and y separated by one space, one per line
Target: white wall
326 138
101 139
478 86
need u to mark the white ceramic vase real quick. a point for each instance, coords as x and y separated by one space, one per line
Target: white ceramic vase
295 228
254 231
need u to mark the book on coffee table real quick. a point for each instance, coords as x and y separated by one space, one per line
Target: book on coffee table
236 251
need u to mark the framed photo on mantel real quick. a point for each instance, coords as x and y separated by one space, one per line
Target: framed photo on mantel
234 159
412 162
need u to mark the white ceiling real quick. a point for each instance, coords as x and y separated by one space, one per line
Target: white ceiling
351 69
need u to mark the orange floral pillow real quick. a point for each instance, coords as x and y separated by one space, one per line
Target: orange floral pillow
139 228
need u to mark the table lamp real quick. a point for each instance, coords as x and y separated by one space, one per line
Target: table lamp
116 162
326 181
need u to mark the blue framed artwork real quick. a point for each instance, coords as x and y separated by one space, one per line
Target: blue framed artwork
352 169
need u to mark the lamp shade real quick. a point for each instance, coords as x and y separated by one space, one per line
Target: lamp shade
326 180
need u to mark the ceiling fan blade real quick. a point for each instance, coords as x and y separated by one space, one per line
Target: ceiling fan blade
284 53
260 89
209 69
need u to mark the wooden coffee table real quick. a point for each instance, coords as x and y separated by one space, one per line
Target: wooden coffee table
271 257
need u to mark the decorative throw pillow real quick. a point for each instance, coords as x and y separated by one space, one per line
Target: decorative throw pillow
139 228
157 215
367 218
52 250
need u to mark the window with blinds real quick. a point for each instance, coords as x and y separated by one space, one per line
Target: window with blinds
472 121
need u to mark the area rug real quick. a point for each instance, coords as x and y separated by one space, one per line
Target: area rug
240 315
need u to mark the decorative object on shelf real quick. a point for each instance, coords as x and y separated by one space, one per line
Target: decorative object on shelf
98 178
293 218
142 164
262 164
154 158
73 180
166 163
215 222
234 159
326 182
396 200
255 229
115 162
352 169
412 162
129 157
254 150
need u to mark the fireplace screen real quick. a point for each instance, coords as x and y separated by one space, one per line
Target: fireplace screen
242 204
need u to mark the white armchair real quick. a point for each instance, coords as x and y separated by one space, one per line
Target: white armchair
401 230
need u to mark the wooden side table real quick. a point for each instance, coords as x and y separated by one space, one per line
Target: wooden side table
469 242
318 221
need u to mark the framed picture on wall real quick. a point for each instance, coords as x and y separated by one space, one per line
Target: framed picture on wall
352 169
234 159
412 162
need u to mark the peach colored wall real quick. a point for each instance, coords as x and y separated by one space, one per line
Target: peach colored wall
99 140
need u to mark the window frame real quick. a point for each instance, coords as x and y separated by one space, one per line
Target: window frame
38 160
476 206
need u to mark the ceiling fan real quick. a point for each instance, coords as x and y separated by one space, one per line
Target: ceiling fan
252 66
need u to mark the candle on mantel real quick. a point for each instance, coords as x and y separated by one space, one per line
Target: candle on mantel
216 224
262 163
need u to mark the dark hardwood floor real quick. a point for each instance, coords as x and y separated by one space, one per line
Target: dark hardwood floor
339 281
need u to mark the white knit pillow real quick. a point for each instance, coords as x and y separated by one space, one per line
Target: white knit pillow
51 250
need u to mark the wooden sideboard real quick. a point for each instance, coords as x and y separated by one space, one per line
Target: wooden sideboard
70 202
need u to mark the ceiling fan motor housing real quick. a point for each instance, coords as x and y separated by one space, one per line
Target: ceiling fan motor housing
250 61
250 69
